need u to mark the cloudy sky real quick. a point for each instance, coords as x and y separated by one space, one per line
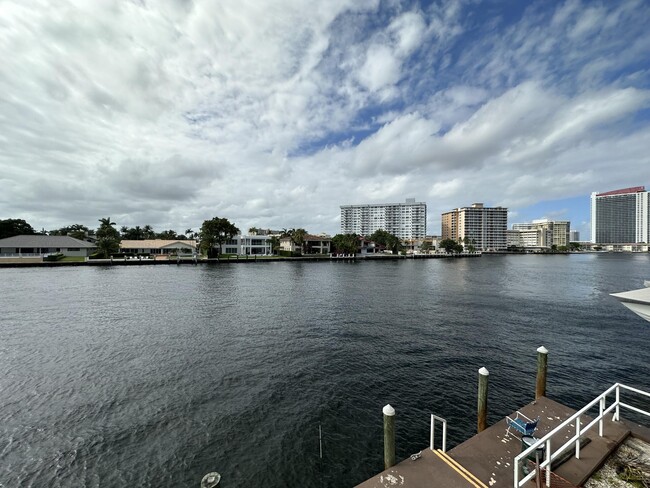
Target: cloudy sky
275 113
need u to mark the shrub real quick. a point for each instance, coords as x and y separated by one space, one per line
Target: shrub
53 257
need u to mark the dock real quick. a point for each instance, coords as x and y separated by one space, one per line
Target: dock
486 459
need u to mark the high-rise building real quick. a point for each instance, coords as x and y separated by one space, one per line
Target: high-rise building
482 227
575 236
620 216
544 233
404 220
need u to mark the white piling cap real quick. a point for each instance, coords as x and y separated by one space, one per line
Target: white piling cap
483 371
542 349
388 410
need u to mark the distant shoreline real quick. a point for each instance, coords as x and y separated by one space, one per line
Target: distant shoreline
249 259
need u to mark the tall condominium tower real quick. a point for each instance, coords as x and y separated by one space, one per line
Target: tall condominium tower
404 220
620 216
483 227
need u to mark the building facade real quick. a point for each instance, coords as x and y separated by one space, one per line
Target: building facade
575 236
620 216
404 220
543 233
248 245
482 227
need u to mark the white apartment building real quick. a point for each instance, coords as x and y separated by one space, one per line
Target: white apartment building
404 220
620 216
482 227
543 233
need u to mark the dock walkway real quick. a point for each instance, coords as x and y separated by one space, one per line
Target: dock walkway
486 460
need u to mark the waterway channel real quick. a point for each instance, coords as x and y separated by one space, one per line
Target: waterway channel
152 376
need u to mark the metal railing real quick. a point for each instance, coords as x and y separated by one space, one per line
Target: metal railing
580 429
433 432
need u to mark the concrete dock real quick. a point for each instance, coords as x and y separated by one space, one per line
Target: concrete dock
486 460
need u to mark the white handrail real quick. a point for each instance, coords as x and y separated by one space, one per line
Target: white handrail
433 431
601 400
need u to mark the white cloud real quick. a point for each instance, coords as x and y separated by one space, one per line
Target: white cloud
274 114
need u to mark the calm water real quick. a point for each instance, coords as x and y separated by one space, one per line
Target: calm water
155 375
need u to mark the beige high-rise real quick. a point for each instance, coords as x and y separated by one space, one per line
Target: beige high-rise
484 228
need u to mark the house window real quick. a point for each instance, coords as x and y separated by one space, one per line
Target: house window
73 249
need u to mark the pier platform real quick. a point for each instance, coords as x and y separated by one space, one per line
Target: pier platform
486 459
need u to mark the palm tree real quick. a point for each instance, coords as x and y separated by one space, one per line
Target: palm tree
108 238
148 232
298 237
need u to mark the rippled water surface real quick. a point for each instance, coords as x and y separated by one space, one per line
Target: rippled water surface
155 375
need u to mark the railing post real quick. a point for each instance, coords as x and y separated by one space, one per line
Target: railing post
600 422
617 415
483 374
548 465
578 437
542 366
516 463
389 436
433 432
444 436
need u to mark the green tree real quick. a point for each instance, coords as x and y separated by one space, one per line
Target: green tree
132 233
426 246
15 227
275 244
108 238
148 232
77 231
297 236
214 233
253 231
168 235
451 246
384 238
575 246
346 243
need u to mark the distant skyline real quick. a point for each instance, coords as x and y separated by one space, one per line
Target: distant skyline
273 114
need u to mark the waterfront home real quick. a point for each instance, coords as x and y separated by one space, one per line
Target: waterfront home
317 244
38 246
311 245
158 246
248 245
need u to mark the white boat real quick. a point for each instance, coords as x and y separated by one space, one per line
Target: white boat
636 300
646 283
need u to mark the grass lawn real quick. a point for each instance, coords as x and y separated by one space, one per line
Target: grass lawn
72 259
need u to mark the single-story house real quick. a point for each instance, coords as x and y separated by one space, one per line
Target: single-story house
158 246
39 245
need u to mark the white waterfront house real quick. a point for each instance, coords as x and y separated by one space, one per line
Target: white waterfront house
253 245
39 246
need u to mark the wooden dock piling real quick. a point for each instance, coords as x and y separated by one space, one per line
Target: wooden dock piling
542 366
389 436
483 374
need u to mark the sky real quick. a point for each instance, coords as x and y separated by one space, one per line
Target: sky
273 114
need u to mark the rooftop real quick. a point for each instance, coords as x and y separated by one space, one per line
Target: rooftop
41 241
